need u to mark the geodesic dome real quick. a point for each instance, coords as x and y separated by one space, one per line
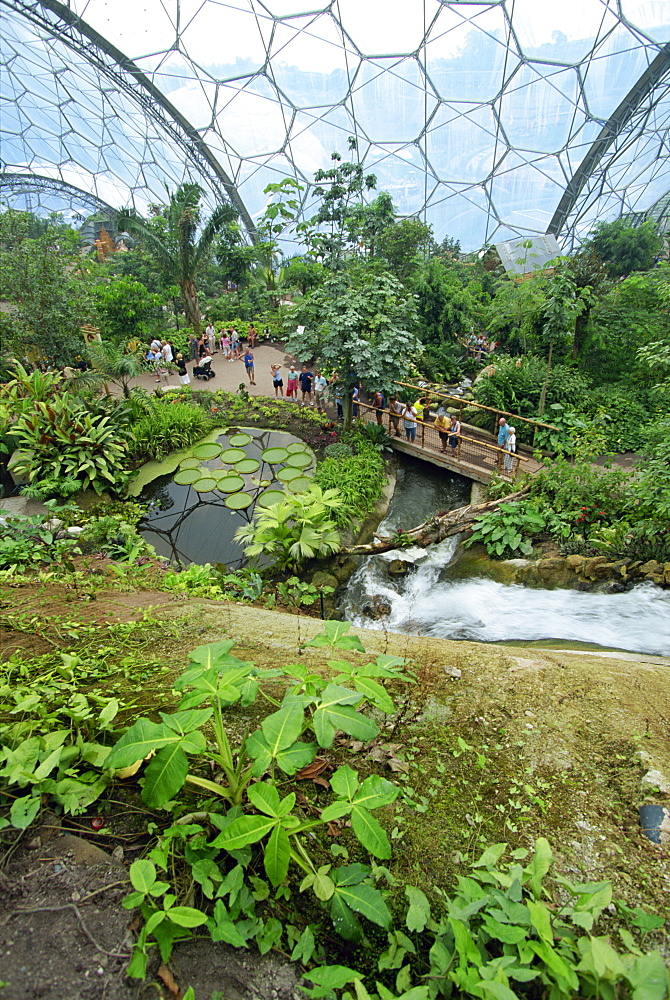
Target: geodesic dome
489 120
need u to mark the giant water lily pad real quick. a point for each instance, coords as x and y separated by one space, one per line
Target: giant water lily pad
273 456
230 483
232 455
217 473
299 485
205 452
286 474
247 466
239 440
238 501
189 463
296 446
205 485
187 476
271 497
299 460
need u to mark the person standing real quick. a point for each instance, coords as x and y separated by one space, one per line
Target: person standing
442 425
210 334
249 365
395 409
235 345
153 357
320 386
181 369
510 448
305 379
277 380
409 421
292 383
378 403
192 347
503 432
454 433
252 336
166 351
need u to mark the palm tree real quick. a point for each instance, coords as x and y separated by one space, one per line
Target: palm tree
180 254
111 365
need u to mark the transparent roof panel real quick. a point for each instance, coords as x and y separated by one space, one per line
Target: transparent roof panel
477 117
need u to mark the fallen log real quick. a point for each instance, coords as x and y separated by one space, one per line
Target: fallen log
439 527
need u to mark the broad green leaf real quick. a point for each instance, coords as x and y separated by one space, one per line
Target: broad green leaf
257 747
649 977
418 913
370 833
244 830
491 856
296 756
344 782
326 722
540 918
367 901
375 693
109 713
50 762
335 811
334 976
164 776
304 947
335 694
154 920
185 722
142 874
375 792
186 916
265 798
212 654
344 920
335 634
24 811
497 990
352 874
553 960
277 856
142 737
269 935
540 865
282 728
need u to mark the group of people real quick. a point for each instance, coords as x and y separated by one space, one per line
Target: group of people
313 385
507 441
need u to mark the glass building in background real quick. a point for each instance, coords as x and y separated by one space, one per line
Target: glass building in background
490 121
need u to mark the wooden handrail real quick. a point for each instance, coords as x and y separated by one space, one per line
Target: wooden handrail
463 437
471 402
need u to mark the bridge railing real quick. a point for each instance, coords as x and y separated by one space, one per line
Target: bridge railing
469 450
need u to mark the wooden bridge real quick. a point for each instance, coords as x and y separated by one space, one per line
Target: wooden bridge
474 456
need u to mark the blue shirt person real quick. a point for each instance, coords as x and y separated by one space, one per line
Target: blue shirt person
503 432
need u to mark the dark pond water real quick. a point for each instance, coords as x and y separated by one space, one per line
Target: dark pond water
191 527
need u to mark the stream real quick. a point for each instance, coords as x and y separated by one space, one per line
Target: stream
481 610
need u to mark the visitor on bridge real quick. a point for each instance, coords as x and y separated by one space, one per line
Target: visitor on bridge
379 402
454 433
395 410
443 425
409 421
503 432
510 447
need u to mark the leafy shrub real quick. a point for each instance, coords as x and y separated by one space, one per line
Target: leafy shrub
47 489
507 531
115 537
298 528
30 541
359 480
338 450
170 424
67 438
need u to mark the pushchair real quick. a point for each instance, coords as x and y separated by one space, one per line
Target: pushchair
204 371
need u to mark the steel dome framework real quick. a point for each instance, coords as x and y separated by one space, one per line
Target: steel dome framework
490 120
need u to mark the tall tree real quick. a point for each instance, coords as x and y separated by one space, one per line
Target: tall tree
625 247
181 252
359 325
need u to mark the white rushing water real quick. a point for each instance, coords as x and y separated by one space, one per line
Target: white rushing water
485 611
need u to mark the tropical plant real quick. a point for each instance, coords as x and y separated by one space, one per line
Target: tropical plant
358 479
173 238
625 247
168 425
64 439
126 310
507 531
28 541
297 528
112 365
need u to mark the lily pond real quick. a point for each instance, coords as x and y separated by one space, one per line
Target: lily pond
193 512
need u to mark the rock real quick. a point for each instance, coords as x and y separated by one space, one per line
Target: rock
584 585
75 530
656 779
575 562
399 567
666 572
590 565
554 572
652 567
453 672
321 579
376 608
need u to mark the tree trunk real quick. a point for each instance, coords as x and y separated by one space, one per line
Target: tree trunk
441 526
543 394
191 305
